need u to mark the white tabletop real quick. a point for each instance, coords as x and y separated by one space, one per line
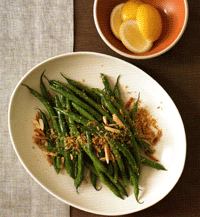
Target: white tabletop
31 31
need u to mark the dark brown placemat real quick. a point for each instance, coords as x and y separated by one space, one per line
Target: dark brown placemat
178 72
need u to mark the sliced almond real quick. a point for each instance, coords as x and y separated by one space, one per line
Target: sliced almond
105 120
40 132
102 159
113 130
128 103
49 153
117 120
36 123
41 123
107 153
62 162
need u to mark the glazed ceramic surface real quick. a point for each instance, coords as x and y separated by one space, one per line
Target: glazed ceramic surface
174 16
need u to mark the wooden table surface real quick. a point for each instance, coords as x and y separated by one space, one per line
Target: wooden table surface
178 72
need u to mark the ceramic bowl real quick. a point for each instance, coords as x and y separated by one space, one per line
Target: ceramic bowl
174 16
87 66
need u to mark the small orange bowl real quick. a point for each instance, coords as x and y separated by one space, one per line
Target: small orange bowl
174 16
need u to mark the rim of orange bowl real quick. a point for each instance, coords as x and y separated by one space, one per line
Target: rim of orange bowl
132 56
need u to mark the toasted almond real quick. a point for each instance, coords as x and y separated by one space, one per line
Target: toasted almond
52 131
71 156
37 116
62 162
97 148
151 156
53 135
121 113
40 132
105 120
40 137
49 153
128 103
112 157
36 123
130 108
113 130
117 120
107 153
112 125
48 157
41 123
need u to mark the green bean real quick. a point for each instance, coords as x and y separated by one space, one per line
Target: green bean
66 155
134 181
82 87
97 91
46 127
57 169
50 142
61 120
93 179
74 116
143 144
80 172
91 168
120 164
115 166
89 141
87 116
58 162
127 154
43 88
151 163
73 131
113 110
110 168
89 100
49 109
95 170
114 107
58 84
98 164
75 166
117 93
71 123
77 101
107 87
108 184
63 101
91 155
83 112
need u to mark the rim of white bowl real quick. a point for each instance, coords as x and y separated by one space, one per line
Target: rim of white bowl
132 56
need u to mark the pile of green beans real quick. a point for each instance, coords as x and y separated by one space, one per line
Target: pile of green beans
75 110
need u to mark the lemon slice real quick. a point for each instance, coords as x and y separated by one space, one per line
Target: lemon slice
149 22
132 38
129 9
115 20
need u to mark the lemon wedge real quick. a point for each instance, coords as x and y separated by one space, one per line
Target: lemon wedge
129 9
115 20
132 38
149 22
